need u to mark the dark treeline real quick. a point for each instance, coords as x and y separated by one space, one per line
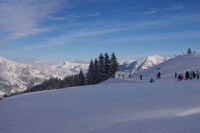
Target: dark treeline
99 70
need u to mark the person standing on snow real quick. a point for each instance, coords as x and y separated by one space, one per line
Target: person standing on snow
194 75
140 77
191 75
159 75
175 75
187 75
180 77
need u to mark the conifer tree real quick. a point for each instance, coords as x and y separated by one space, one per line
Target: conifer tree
96 72
101 67
114 65
90 74
76 80
81 78
107 66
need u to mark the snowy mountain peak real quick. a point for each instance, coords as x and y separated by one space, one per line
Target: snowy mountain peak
155 58
75 67
142 64
121 62
4 60
61 64
16 77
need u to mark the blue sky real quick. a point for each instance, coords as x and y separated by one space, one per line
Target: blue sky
80 30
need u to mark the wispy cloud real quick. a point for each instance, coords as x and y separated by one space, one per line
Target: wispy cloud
154 11
22 18
83 35
93 14
70 38
156 36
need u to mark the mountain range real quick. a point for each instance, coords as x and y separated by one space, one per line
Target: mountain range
16 77
141 64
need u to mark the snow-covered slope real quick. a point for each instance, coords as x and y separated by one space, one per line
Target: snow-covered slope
16 77
179 64
109 108
142 64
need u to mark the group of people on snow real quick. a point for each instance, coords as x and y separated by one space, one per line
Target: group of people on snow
188 75
152 80
124 76
158 75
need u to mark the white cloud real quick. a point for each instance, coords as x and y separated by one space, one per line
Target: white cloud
93 14
176 7
154 11
70 37
22 18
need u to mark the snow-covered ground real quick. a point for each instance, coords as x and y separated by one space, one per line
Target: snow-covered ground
179 64
106 108
114 106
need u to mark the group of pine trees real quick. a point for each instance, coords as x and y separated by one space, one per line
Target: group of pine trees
56 83
99 70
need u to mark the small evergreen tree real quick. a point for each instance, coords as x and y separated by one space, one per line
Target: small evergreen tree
76 80
101 67
81 78
107 66
114 65
90 74
96 72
